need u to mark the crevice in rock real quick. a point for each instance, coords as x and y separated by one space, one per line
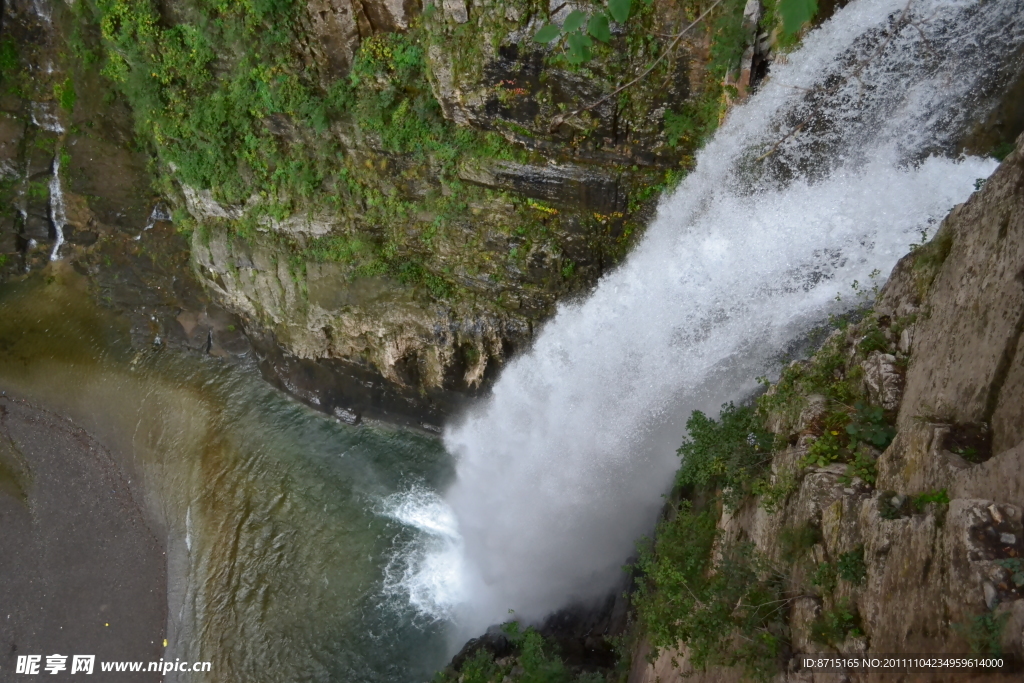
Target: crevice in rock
971 441
1005 362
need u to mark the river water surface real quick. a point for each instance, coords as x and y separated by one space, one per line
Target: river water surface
286 538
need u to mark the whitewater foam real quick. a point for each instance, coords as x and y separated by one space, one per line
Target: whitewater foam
426 573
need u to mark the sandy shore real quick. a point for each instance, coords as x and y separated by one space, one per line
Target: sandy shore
81 572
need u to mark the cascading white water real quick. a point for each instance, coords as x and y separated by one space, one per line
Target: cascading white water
44 115
803 190
58 213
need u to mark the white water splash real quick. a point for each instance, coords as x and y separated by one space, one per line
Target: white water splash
159 213
43 10
44 116
58 211
427 573
562 468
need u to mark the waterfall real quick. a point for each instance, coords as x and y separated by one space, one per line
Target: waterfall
828 173
58 214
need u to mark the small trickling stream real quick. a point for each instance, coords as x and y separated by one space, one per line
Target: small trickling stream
58 214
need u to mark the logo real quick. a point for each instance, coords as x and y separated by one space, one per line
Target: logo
30 664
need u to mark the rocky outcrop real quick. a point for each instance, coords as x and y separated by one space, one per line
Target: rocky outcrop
335 28
533 227
565 185
76 154
462 259
118 233
418 274
971 321
374 323
74 168
937 516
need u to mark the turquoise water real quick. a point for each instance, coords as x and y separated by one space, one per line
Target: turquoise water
283 542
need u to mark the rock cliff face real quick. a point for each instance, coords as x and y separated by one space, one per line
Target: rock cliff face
447 268
937 516
76 187
378 187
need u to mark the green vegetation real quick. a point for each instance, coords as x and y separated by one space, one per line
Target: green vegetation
940 497
730 453
795 14
224 98
669 181
9 61
824 450
727 613
257 122
863 466
826 374
870 425
835 625
699 116
64 92
650 57
929 257
388 92
1016 568
480 668
825 577
968 453
13 78
891 505
222 94
851 566
796 541
873 340
842 433
39 190
535 661
984 633
215 128
1002 150
579 28
772 496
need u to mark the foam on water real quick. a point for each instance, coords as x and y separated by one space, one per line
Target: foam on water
427 573
562 468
